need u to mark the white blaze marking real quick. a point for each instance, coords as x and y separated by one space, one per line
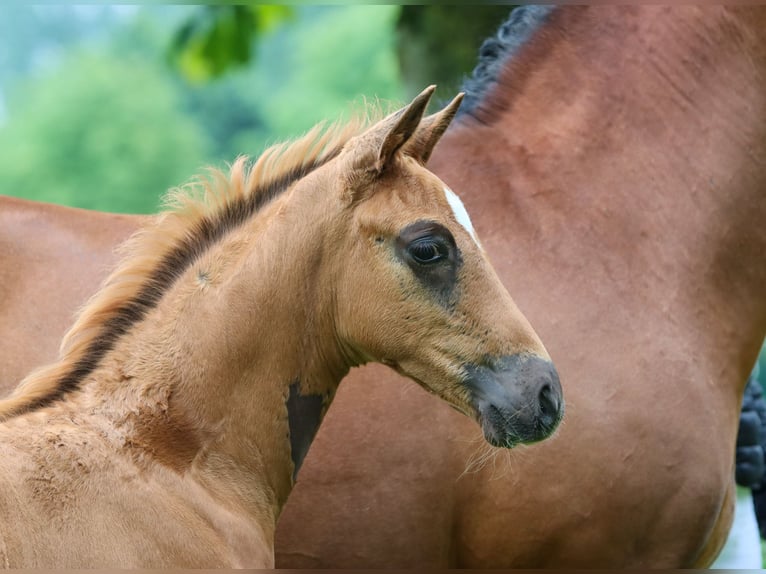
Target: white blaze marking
460 213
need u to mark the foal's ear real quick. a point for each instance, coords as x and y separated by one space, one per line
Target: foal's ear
430 130
394 131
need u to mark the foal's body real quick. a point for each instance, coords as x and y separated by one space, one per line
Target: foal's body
100 501
169 432
617 183
133 471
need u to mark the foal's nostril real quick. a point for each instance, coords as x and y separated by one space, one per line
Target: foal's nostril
549 404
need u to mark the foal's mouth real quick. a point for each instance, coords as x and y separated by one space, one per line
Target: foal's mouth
517 399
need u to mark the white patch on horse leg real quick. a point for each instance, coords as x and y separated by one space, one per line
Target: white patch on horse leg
460 213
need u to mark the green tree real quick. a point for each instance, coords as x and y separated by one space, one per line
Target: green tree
439 44
327 58
434 44
216 38
108 125
99 132
304 72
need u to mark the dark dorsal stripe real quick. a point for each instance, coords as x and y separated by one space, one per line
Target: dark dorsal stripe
495 51
206 233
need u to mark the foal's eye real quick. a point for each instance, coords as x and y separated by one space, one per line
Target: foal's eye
427 250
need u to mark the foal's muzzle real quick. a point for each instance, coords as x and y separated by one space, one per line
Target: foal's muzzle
518 399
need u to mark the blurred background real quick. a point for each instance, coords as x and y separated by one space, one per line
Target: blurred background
106 107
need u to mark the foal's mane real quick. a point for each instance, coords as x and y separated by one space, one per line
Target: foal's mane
196 216
496 51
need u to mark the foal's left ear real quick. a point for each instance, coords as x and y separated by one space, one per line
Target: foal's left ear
430 130
395 130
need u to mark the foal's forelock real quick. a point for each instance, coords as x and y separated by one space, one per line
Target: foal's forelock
198 217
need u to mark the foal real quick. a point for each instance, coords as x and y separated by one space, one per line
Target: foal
187 394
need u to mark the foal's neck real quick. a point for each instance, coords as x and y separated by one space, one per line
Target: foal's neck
201 384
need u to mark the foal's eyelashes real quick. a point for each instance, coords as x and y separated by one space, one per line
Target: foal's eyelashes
429 250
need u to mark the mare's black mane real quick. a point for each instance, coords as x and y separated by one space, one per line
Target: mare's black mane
494 52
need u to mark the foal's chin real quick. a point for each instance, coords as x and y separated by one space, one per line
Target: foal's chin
505 436
517 399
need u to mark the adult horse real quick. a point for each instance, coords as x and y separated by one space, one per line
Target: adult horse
612 161
189 389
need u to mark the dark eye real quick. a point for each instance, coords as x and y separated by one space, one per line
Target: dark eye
427 250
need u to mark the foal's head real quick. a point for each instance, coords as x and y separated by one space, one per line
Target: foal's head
415 290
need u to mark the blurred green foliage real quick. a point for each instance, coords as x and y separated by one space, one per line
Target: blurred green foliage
217 37
105 107
439 45
111 146
316 68
92 115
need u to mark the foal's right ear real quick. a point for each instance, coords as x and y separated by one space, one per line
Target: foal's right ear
391 133
378 146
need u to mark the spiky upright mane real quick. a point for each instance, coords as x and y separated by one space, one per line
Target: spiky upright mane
495 52
196 217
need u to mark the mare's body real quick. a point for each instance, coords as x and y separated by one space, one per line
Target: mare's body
66 253
616 178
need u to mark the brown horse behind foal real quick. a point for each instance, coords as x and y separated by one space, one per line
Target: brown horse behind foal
614 161
614 167
191 386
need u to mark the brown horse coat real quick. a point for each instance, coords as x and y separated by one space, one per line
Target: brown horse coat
616 179
169 431
616 175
